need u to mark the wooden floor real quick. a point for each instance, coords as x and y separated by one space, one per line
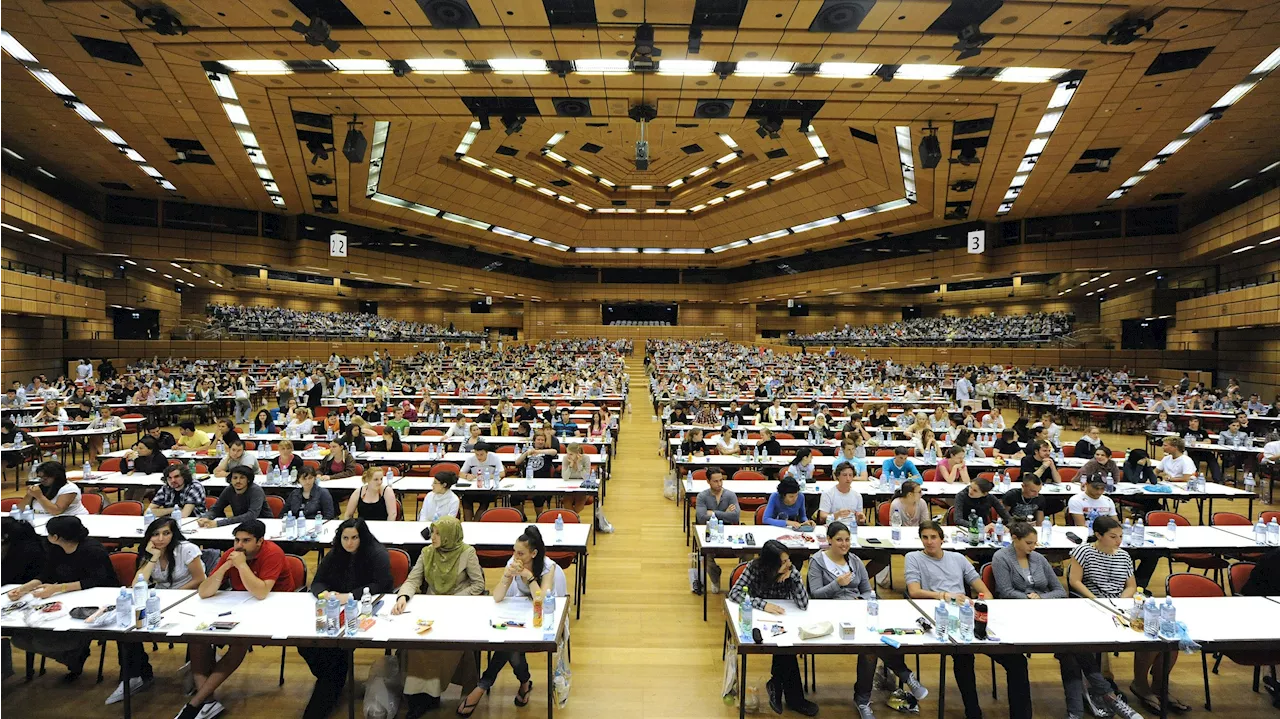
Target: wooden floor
641 648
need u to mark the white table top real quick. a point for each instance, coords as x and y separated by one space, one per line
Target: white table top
456 457
983 463
402 484
764 487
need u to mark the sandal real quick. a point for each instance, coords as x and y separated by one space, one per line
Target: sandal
522 696
1178 706
470 708
1150 701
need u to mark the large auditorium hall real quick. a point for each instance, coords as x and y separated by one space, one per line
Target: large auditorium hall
642 359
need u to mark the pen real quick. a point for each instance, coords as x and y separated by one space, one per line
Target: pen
224 614
186 615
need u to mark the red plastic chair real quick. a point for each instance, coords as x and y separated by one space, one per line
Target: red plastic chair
884 452
1014 473
931 475
443 466
1068 450
564 559
399 566
1228 519
506 449
127 508
760 515
699 475
1068 474
126 566
1238 575
10 503
110 464
1266 517
298 570
749 503
92 503
1186 584
276 503
263 466
590 449
496 558
988 576
882 513
1193 560
312 464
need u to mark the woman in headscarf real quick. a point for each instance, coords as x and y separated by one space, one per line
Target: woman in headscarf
447 566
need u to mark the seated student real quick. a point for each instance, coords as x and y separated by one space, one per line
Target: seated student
1039 463
286 461
398 422
74 561
145 457
565 426
192 438
528 567
693 444
840 503
834 573
254 565
538 461
50 413
1102 569
1092 499
168 562
236 456
1025 503
448 566
440 502
721 503
727 443
263 423
54 494
935 574
849 453
338 464
357 562
482 464
310 498
1100 464
300 425
226 431
772 576
180 494
1195 433
952 468
768 443
1089 443
576 466
801 467
977 499
908 502
899 467
246 500
1175 465
786 506
374 501
474 436
993 420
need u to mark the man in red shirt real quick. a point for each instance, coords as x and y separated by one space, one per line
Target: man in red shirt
257 566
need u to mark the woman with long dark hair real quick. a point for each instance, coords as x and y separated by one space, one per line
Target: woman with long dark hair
358 562
168 561
54 494
145 457
263 424
772 576
527 569
74 562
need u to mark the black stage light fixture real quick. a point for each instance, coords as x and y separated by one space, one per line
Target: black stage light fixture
930 149
484 121
963 185
356 143
695 40
804 122
642 154
968 156
769 126
400 68
970 40
886 72
319 178
512 123
317 33
644 49
318 151
161 19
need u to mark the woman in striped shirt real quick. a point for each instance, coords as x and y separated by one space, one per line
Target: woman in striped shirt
1105 570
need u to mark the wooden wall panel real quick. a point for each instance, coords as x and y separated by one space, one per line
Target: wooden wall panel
33 209
21 293
31 345
1227 310
1253 357
1256 219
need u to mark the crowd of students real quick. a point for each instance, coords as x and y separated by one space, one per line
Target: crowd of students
256 319
931 330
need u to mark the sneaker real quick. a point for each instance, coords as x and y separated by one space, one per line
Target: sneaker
211 709
864 712
188 712
1122 709
918 690
1096 706
885 680
805 707
775 696
714 585
1073 716
136 685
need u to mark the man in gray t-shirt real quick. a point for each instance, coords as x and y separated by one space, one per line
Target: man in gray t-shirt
723 503
935 574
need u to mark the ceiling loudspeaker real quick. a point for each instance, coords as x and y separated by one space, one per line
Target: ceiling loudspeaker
841 15
713 109
572 107
449 14
930 149
355 144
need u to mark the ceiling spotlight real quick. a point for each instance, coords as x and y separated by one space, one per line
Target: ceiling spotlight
804 122
161 19
642 154
355 144
644 50
484 121
1126 30
400 68
930 149
326 206
970 40
769 126
317 34
319 178
886 72
959 212
318 150
695 40
963 185
968 156
1103 165
512 123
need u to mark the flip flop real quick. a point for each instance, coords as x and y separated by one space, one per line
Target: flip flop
1150 701
522 696
470 708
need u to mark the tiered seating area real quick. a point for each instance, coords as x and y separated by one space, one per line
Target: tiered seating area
987 329
280 323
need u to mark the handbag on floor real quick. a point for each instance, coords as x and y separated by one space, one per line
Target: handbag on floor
563 675
382 689
669 486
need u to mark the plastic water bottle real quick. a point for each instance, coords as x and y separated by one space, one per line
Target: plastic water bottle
895 524
953 616
1171 530
124 609
366 604
559 529
16 514
1000 531
290 528
293 476
321 606
153 611
966 622
147 519
1260 533
29 515
1168 618
941 619
191 466
873 615
1248 482
1127 539
1150 617
853 527
1273 533
140 598
1046 531
744 616
332 616
1139 534
528 474
353 619
317 526
1088 521
86 471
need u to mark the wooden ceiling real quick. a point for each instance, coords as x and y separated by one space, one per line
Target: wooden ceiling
1116 106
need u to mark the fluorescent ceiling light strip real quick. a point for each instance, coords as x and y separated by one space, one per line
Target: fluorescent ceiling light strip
926 72
522 66
1062 95
15 49
809 165
465 221
1028 74
602 66
364 66
815 224
763 68
727 158
376 153
847 69
512 233
686 67
727 140
438 65
257 67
